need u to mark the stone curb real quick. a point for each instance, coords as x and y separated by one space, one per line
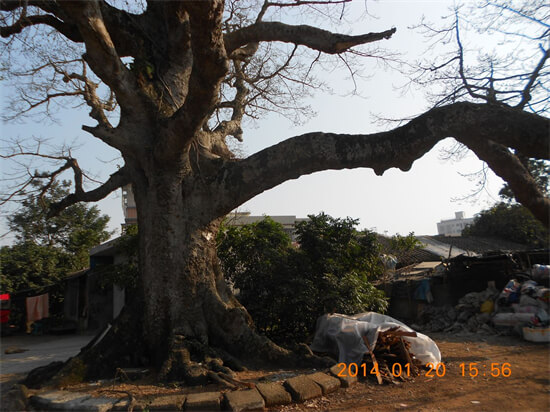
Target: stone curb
299 388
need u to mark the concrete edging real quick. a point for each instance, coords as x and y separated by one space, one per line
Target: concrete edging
298 389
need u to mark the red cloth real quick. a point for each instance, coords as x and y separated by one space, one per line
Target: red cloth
4 316
37 307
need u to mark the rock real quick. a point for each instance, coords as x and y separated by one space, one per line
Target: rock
167 403
483 318
37 377
206 401
245 400
346 381
16 399
13 349
302 388
327 383
274 394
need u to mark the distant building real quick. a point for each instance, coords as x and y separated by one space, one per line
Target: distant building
244 218
234 218
454 227
129 206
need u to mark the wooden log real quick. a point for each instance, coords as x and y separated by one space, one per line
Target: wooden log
407 355
374 361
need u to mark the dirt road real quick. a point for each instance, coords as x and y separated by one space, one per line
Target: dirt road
526 389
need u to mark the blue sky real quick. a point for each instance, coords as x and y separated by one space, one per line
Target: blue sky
398 202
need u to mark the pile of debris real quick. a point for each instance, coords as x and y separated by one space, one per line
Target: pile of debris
518 305
467 316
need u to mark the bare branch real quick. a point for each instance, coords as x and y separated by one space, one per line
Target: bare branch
312 37
461 62
115 181
526 93
295 3
466 122
209 68
101 53
26 21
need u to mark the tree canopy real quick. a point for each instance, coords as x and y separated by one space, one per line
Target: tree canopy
47 249
511 222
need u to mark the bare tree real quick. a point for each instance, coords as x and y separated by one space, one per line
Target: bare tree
494 52
181 77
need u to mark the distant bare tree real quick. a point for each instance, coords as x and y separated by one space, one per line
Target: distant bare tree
504 63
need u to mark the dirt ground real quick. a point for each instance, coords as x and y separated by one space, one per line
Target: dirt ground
526 389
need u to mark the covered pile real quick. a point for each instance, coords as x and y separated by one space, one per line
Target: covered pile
370 338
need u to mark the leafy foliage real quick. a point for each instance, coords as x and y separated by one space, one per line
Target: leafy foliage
75 230
286 288
511 222
28 265
47 249
540 170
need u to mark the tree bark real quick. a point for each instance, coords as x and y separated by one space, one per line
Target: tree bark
187 304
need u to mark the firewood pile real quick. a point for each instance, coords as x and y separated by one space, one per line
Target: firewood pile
392 357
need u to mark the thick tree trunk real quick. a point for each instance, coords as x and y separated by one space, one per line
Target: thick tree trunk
190 313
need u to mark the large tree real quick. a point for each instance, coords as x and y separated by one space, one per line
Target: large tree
183 75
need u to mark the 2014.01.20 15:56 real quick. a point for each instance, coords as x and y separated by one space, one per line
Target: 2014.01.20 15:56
471 369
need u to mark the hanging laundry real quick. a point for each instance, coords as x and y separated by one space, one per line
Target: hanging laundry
37 307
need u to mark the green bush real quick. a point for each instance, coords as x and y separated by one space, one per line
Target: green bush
285 288
511 222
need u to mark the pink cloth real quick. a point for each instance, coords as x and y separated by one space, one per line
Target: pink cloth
37 307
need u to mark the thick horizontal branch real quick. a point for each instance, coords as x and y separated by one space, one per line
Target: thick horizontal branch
312 37
466 122
67 30
117 180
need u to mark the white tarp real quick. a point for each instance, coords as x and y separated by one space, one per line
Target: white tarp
342 335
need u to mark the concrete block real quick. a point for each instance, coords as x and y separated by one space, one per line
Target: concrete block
327 383
56 399
205 401
302 388
274 393
71 401
346 381
167 403
245 400
91 405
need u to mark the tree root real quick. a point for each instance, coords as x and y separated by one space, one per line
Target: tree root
186 359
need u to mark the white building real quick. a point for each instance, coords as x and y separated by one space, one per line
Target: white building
454 227
244 218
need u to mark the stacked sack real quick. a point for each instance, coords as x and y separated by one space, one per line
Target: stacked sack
522 304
